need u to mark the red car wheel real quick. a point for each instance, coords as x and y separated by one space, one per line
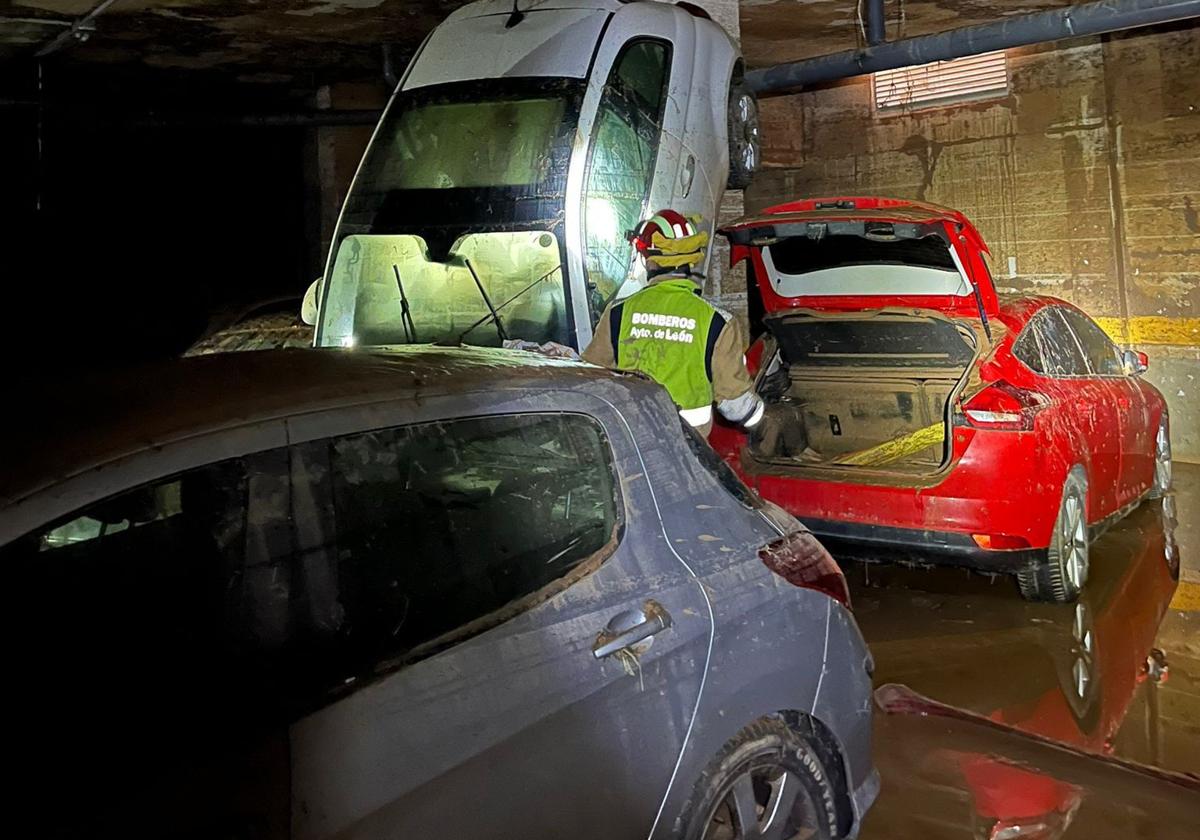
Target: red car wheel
1062 576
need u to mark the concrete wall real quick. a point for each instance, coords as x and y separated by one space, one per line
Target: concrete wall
1084 180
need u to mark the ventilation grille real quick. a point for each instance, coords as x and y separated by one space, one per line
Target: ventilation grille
942 82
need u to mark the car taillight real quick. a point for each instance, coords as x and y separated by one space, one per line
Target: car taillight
1003 406
801 560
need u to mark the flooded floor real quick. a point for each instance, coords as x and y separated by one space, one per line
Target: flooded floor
1048 721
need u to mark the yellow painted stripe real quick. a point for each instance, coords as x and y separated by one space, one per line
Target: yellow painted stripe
1187 597
1153 329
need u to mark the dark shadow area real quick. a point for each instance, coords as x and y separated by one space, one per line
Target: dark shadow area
126 231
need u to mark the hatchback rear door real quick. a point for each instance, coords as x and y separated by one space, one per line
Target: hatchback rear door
865 253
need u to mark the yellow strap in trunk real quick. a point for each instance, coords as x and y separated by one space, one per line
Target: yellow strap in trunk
895 449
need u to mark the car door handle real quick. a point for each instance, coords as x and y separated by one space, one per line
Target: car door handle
630 627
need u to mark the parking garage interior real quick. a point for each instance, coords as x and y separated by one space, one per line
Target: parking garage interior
172 165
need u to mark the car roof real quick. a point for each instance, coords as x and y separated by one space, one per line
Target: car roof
70 428
1022 307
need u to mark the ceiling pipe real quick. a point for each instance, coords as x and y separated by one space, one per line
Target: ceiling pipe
1069 22
876 34
80 30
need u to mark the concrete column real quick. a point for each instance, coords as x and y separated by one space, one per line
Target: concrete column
724 287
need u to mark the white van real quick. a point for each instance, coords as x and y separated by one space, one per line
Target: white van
521 144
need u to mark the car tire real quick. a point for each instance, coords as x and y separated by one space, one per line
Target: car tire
759 771
1063 574
745 149
1163 471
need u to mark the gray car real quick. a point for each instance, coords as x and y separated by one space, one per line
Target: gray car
420 593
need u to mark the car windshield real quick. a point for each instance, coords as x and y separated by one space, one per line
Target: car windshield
456 210
385 289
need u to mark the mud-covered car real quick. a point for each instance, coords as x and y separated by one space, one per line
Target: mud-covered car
319 593
911 408
266 325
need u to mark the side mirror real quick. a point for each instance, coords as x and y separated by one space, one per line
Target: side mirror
1135 361
308 309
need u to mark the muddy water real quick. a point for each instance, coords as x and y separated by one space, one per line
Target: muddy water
1080 720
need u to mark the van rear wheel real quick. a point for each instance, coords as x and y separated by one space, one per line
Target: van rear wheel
745 146
1065 570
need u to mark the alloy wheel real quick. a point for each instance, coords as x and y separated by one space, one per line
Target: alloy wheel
1162 459
764 803
747 118
1074 541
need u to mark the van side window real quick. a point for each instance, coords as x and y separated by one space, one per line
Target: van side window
621 164
443 530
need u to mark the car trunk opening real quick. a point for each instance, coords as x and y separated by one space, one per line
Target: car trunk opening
862 390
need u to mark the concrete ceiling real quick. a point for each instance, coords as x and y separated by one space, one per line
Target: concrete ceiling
306 42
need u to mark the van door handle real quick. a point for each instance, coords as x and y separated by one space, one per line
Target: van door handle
629 627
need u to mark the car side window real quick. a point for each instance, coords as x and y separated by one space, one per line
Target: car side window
621 164
432 533
1103 357
131 594
280 577
1049 347
1025 348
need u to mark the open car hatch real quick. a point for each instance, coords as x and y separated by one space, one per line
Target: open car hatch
864 253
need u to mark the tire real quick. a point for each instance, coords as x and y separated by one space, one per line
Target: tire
1063 574
757 773
1163 471
745 150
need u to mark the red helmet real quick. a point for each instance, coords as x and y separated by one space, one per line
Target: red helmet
669 223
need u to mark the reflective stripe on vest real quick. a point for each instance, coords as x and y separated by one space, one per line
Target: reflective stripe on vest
664 334
697 416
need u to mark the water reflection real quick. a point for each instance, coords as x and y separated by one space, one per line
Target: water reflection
1044 687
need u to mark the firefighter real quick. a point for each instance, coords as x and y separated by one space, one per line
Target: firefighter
667 331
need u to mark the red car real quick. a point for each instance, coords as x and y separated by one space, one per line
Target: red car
910 407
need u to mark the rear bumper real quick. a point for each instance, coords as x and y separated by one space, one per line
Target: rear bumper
862 798
949 548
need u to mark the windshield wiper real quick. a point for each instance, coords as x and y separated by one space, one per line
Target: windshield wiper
410 329
494 313
492 309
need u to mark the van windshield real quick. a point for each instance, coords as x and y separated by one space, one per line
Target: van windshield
469 172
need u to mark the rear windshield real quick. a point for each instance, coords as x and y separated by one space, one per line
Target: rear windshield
889 341
801 255
863 264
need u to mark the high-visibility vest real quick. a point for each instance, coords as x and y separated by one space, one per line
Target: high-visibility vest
665 331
